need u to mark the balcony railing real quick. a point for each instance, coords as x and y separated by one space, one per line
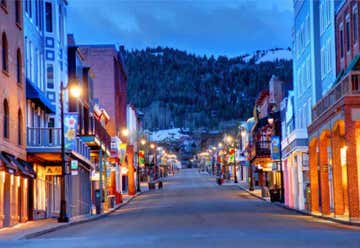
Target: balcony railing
95 128
261 149
51 138
349 85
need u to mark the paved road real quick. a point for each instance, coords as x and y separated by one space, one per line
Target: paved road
192 211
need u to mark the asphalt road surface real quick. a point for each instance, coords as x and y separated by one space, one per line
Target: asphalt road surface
193 211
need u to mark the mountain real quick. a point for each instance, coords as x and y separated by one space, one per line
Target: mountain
176 89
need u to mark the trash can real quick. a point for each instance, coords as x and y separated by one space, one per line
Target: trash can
274 195
111 202
151 185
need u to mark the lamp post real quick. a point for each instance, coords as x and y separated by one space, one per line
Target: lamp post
75 92
153 147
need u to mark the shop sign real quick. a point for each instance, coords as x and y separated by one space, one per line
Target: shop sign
275 148
70 127
74 166
122 152
53 171
115 147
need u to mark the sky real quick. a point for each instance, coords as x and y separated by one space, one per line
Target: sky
211 27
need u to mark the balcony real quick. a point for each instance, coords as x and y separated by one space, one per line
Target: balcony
95 135
48 140
348 86
261 149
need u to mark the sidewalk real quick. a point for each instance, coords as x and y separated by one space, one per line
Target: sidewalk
257 193
32 229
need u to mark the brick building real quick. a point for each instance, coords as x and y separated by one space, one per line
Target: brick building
15 173
109 82
334 133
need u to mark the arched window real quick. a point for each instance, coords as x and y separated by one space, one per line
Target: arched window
20 127
18 66
5 61
6 119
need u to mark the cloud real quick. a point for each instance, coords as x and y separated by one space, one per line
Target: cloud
201 27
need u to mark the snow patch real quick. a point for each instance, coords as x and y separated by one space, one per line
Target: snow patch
167 134
271 56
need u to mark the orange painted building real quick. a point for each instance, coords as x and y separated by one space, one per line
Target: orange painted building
334 134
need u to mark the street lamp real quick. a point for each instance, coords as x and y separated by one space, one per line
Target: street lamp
75 91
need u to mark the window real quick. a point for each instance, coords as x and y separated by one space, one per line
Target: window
321 18
18 12
6 119
341 41
20 127
18 66
50 76
355 25
48 15
347 33
5 61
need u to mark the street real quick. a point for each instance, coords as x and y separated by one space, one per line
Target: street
193 211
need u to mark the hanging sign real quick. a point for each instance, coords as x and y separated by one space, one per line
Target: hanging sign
141 158
122 152
275 148
231 155
74 166
70 127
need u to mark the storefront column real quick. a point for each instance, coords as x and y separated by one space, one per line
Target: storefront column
314 179
352 138
337 173
324 173
131 171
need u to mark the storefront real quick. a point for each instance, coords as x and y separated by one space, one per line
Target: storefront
15 175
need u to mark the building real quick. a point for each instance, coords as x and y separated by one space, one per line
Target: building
110 90
313 74
92 126
294 158
334 131
16 175
109 84
265 162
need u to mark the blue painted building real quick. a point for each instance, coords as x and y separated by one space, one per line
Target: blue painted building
314 71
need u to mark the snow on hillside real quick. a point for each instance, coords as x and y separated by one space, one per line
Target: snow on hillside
269 55
167 134
274 55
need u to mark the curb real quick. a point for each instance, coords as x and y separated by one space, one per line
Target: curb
280 205
65 225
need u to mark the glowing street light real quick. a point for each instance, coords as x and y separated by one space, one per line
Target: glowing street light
125 132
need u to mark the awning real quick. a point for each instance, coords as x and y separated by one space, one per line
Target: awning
36 95
9 166
20 165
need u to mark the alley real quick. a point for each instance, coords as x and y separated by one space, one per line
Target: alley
192 211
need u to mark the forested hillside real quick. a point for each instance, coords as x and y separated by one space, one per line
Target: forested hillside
177 89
